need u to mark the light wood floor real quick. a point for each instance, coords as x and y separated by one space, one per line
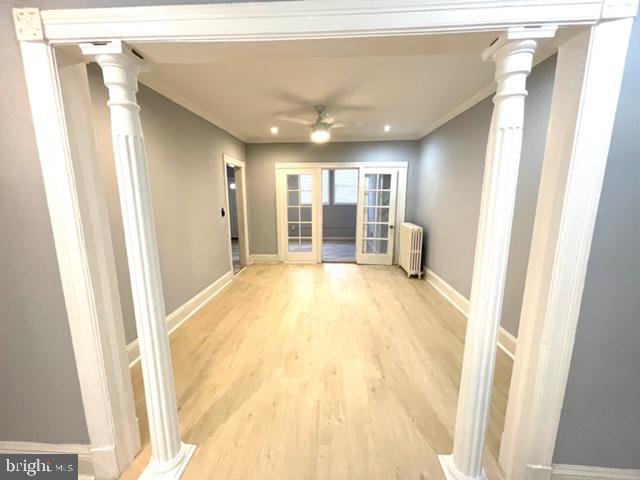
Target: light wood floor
332 371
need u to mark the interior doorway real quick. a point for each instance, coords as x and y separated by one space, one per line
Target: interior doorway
339 214
235 192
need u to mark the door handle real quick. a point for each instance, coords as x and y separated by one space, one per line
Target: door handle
390 227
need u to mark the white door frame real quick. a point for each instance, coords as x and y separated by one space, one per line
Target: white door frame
79 247
401 198
241 209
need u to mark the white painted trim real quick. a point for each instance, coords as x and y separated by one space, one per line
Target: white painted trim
447 291
506 341
580 125
241 209
314 19
582 472
185 311
61 110
85 464
263 258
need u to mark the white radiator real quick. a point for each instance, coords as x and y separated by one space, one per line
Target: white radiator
410 254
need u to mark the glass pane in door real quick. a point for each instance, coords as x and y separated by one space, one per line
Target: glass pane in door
299 224
377 202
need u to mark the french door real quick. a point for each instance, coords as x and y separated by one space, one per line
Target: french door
376 217
300 191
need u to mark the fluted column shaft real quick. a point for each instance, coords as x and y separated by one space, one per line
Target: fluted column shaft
513 59
120 68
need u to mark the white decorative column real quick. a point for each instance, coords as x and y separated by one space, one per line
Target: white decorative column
513 55
120 68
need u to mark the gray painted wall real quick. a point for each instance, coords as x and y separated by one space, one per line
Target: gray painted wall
339 221
39 394
261 160
600 422
184 157
448 202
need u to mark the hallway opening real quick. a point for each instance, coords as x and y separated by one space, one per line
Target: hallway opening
339 215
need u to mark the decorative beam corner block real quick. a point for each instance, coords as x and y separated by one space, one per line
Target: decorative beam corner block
28 24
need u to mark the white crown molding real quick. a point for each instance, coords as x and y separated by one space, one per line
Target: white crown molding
462 107
184 312
582 472
184 102
472 101
506 341
85 465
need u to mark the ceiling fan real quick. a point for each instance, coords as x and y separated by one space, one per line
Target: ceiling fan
321 128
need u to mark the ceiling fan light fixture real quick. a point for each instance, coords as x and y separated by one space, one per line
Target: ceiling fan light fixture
320 133
274 130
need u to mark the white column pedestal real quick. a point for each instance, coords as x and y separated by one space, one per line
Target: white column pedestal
120 69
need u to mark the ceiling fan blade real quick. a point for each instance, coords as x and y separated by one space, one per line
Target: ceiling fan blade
353 107
338 125
299 121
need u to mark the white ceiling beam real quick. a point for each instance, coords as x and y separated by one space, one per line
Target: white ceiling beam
317 19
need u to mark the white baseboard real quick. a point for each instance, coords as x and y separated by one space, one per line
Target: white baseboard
447 291
263 258
506 341
184 312
85 465
582 472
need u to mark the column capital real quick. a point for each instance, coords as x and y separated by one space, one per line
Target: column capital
515 36
115 53
120 69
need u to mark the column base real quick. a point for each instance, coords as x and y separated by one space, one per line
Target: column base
452 473
174 473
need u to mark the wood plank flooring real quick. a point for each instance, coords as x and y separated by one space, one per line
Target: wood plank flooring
333 371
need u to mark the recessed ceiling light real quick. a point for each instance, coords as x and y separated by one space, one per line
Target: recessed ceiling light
387 128
274 130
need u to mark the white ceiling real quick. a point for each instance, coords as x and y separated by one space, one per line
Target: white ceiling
410 83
